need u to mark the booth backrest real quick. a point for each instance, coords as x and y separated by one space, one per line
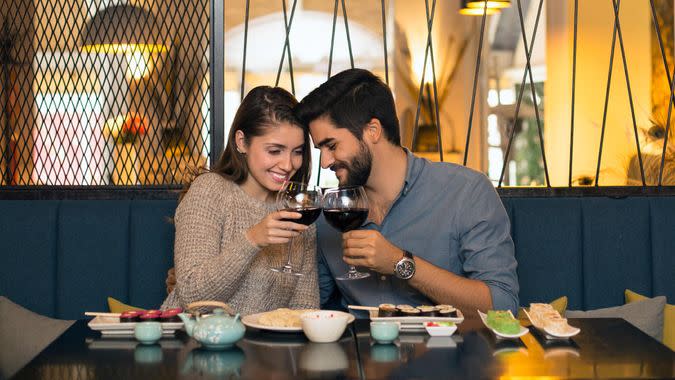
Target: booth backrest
61 258
592 249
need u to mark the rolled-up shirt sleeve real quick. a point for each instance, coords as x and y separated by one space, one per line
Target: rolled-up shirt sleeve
487 250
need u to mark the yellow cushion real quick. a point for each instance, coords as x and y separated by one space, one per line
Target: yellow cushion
559 305
668 318
119 307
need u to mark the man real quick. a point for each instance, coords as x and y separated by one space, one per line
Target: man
437 233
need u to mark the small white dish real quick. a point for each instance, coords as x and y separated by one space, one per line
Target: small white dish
439 330
523 330
552 334
324 326
510 351
561 352
441 342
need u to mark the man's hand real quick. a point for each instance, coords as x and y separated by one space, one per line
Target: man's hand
369 249
170 280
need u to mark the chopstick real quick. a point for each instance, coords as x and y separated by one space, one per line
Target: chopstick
100 314
355 307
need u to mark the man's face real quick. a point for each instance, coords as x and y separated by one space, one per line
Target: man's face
341 152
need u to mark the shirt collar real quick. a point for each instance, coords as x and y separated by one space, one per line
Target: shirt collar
413 171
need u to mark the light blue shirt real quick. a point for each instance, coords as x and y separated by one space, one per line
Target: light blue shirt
447 214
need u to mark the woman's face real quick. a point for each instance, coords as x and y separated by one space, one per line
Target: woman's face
272 158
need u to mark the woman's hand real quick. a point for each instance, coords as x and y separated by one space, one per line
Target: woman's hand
170 280
273 229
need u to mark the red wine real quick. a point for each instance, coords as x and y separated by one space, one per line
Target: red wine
346 219
309 215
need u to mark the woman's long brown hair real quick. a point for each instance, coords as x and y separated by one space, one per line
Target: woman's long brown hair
263 107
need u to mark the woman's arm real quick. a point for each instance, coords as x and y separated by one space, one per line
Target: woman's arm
205 270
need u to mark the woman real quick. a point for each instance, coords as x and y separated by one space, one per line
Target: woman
228 234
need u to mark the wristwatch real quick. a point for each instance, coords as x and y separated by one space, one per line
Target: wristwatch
405 268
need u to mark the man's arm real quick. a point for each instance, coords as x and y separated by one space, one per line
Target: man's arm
487 255
445 287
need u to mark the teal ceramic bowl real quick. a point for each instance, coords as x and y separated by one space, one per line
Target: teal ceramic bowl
148 332
384 332
148 353
384 353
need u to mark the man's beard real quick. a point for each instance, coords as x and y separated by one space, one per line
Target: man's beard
358 169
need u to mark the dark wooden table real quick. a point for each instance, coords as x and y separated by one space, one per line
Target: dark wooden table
605 348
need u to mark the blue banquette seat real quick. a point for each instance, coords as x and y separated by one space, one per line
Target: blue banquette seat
61 257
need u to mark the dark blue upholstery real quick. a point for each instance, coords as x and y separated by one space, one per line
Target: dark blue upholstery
592 249
28 254
60 258
547 236
662 221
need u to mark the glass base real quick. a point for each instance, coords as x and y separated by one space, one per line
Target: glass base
355 275
287 269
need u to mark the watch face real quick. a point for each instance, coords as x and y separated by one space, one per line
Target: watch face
405 269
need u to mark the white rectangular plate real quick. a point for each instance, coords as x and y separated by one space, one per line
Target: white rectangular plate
416 323
111 326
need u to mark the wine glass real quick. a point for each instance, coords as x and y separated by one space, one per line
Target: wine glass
346 209
301 198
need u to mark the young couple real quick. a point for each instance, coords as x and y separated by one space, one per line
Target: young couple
436 233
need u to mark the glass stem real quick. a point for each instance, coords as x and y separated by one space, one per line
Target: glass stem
290 245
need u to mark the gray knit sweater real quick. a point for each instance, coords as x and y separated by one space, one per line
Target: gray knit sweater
215 261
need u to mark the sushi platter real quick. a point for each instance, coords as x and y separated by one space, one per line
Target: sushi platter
111 326
123 324
412 318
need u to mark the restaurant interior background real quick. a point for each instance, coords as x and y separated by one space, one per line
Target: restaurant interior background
112 99
118 93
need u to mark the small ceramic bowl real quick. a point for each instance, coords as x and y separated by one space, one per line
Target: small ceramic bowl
440 328
385 353
148 332
324 326
384 332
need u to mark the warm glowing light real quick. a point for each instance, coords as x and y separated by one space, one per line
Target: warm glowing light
490 4
478 12
113 126
124 48
418 67
138 64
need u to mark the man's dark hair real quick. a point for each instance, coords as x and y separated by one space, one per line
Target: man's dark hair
351 99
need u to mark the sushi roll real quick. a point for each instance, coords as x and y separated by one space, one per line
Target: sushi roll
412 312
170 315
130 316
428 311
152 317
387 310
447 313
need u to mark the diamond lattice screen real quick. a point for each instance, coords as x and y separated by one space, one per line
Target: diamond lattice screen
103 92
